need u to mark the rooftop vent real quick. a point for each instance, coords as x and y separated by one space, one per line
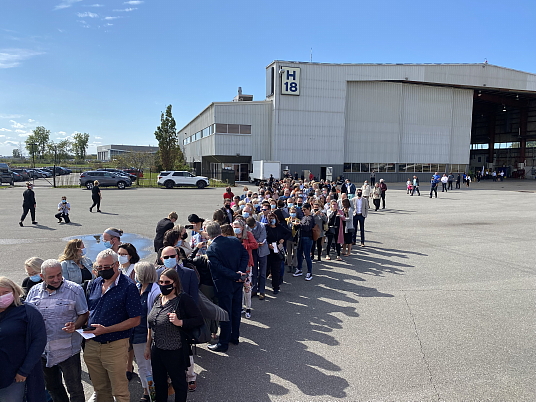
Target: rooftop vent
242 98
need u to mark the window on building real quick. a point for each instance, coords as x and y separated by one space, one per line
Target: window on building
233 128
221 128
245 129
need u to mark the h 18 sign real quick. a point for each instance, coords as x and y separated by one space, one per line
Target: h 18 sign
290 81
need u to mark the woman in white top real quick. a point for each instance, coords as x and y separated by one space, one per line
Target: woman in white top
128 257
366 191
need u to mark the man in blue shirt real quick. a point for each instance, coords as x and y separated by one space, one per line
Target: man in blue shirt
63 306
114 309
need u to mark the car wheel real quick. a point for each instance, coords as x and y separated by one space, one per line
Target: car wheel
201 184
169 184
121 185
89 185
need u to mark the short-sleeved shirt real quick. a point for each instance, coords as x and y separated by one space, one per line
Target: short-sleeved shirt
57 308
120 302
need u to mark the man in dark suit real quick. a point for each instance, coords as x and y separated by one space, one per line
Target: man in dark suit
227 211
162 227
228 263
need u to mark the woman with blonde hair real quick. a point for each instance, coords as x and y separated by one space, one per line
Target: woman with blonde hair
23 338
33 269
75 266
95 196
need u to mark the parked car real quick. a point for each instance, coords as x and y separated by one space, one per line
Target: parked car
23 172
177 178
17 177
44 172
106 179
136 172
6 175
59 170
119 172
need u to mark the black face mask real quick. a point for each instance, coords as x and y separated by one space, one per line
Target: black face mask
184 236
106 273
166 289
359 194
50 287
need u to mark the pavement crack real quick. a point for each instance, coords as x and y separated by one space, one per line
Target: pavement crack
430 375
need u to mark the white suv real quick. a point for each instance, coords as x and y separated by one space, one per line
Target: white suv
177 178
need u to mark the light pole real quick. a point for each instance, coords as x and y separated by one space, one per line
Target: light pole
33 145
54 171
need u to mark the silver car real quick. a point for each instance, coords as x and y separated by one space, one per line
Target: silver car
106 179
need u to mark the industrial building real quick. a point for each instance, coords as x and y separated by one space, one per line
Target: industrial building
106 153
348 119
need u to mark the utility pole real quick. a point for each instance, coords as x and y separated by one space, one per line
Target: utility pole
33 144
54 171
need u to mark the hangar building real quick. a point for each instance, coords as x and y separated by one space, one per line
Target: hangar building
398 119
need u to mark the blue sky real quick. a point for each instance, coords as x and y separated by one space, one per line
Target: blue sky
110 67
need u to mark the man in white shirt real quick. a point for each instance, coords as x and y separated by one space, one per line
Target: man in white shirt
360 213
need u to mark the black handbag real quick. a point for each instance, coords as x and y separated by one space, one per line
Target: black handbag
331 230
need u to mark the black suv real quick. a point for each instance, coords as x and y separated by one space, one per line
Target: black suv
6 176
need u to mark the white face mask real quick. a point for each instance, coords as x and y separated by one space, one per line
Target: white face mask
123 259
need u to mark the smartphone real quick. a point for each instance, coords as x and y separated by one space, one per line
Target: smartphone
189 226
90 328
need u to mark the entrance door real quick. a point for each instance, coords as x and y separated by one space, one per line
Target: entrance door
241 171
322 173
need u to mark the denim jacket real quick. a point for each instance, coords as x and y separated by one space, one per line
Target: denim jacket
71 271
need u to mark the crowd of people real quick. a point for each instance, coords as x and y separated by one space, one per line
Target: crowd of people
206 274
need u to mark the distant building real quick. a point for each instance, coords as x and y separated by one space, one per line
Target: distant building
107 152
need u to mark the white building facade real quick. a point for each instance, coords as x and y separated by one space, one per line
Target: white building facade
399 120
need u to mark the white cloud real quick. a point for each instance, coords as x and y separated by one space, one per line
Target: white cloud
111 18
98 138
14 124
133 2
10 116
87 14
126 9
15 144
20 131
12 57
66 4
94 5
2 136
62 132
4 129
24 135
31 120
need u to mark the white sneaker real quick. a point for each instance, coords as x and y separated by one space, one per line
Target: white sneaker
248 314
298 272
308 276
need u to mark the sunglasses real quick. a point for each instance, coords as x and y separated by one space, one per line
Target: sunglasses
101 267
165 282
165 257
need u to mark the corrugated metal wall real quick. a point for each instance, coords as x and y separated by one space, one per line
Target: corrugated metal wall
403 123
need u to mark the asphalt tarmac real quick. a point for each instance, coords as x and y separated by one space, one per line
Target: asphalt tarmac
438 307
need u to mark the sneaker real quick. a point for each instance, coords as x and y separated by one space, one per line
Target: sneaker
262 296
308 276
248 313
192 386
298 272
35 223
243 311
20 224
276 291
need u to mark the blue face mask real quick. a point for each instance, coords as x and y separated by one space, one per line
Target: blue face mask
245 214
242 206
237 230
83 251
272 221
290 204
107 244
273 206
170 263
293 214
35 278
179 243
64 201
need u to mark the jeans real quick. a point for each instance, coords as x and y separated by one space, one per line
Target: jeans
13 393
444 187
416 188
164 363
258 279
71 370
144 366
361 220
433 190
304 248
232 303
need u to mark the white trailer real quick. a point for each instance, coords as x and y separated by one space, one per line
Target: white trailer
263 169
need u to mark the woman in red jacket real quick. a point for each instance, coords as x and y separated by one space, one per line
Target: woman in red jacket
243 233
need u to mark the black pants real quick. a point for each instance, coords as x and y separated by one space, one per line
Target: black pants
231 302
450 186
331 238
415 188
372 181
71 371
383 199
96 202
274 267
359 219
433 190
318 244
457 184
25 209
444 187
164 363
376 202
61 215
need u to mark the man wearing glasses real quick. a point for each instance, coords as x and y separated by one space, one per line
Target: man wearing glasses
114 309
265 209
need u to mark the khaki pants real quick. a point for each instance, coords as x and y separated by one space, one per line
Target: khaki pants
106 365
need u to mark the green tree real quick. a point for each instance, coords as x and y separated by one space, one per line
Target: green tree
79 145
59 152
40 136
16 153
169 152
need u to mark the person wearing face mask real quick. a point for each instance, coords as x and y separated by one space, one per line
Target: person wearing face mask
63 207
227 211
247 239
171 259
320 219
23 338
76 267
127 257
167 346
147 283
196 235
114 310
111 238
33 270
28 204
260 258
292 243
360 213
64 308
276 236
